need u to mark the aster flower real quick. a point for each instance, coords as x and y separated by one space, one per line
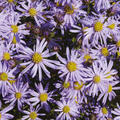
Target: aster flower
41 96
72 10
102 51
4 115
103 113
102 4
34 9
6 54
95 30
113 26
109 92
99 76
77 92
36 59
116 112
6 76
68 109
18 92
32 114
71 67
10 27
8 4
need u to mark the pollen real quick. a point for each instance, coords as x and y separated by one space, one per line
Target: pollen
10 1
66 84
37 58
78 86
18 95
33 115
104 110
72 66
87 57
14 41
43 97
105 51
14 28
112 26
32 12
118 43
110 88
6 56
98 26
3 76
68 9
96 79
66 109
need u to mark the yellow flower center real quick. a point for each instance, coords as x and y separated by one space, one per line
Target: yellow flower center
11 81
98 26
72 66
112 26
96 79
10 1
0 116
87 57
66 85
6 56
78 86
14 41
33 115
18 95
32 12
118 43
110 88
66 109
68 9
4 76
105 51
43 97
36 58
104 110
14 28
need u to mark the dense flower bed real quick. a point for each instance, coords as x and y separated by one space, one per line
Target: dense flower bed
59 59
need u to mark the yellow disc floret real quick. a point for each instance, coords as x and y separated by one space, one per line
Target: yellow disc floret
98 26
0 116
72 66
10 1
43 97
18 95
32 12
118 43
104 110
68 9
6 56
87 57
3 76
96 79
105 51
78 86
66 84
66 109
33 115
14 28
37 58
112 26
109 88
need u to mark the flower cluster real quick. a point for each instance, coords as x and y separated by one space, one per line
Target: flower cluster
59 59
